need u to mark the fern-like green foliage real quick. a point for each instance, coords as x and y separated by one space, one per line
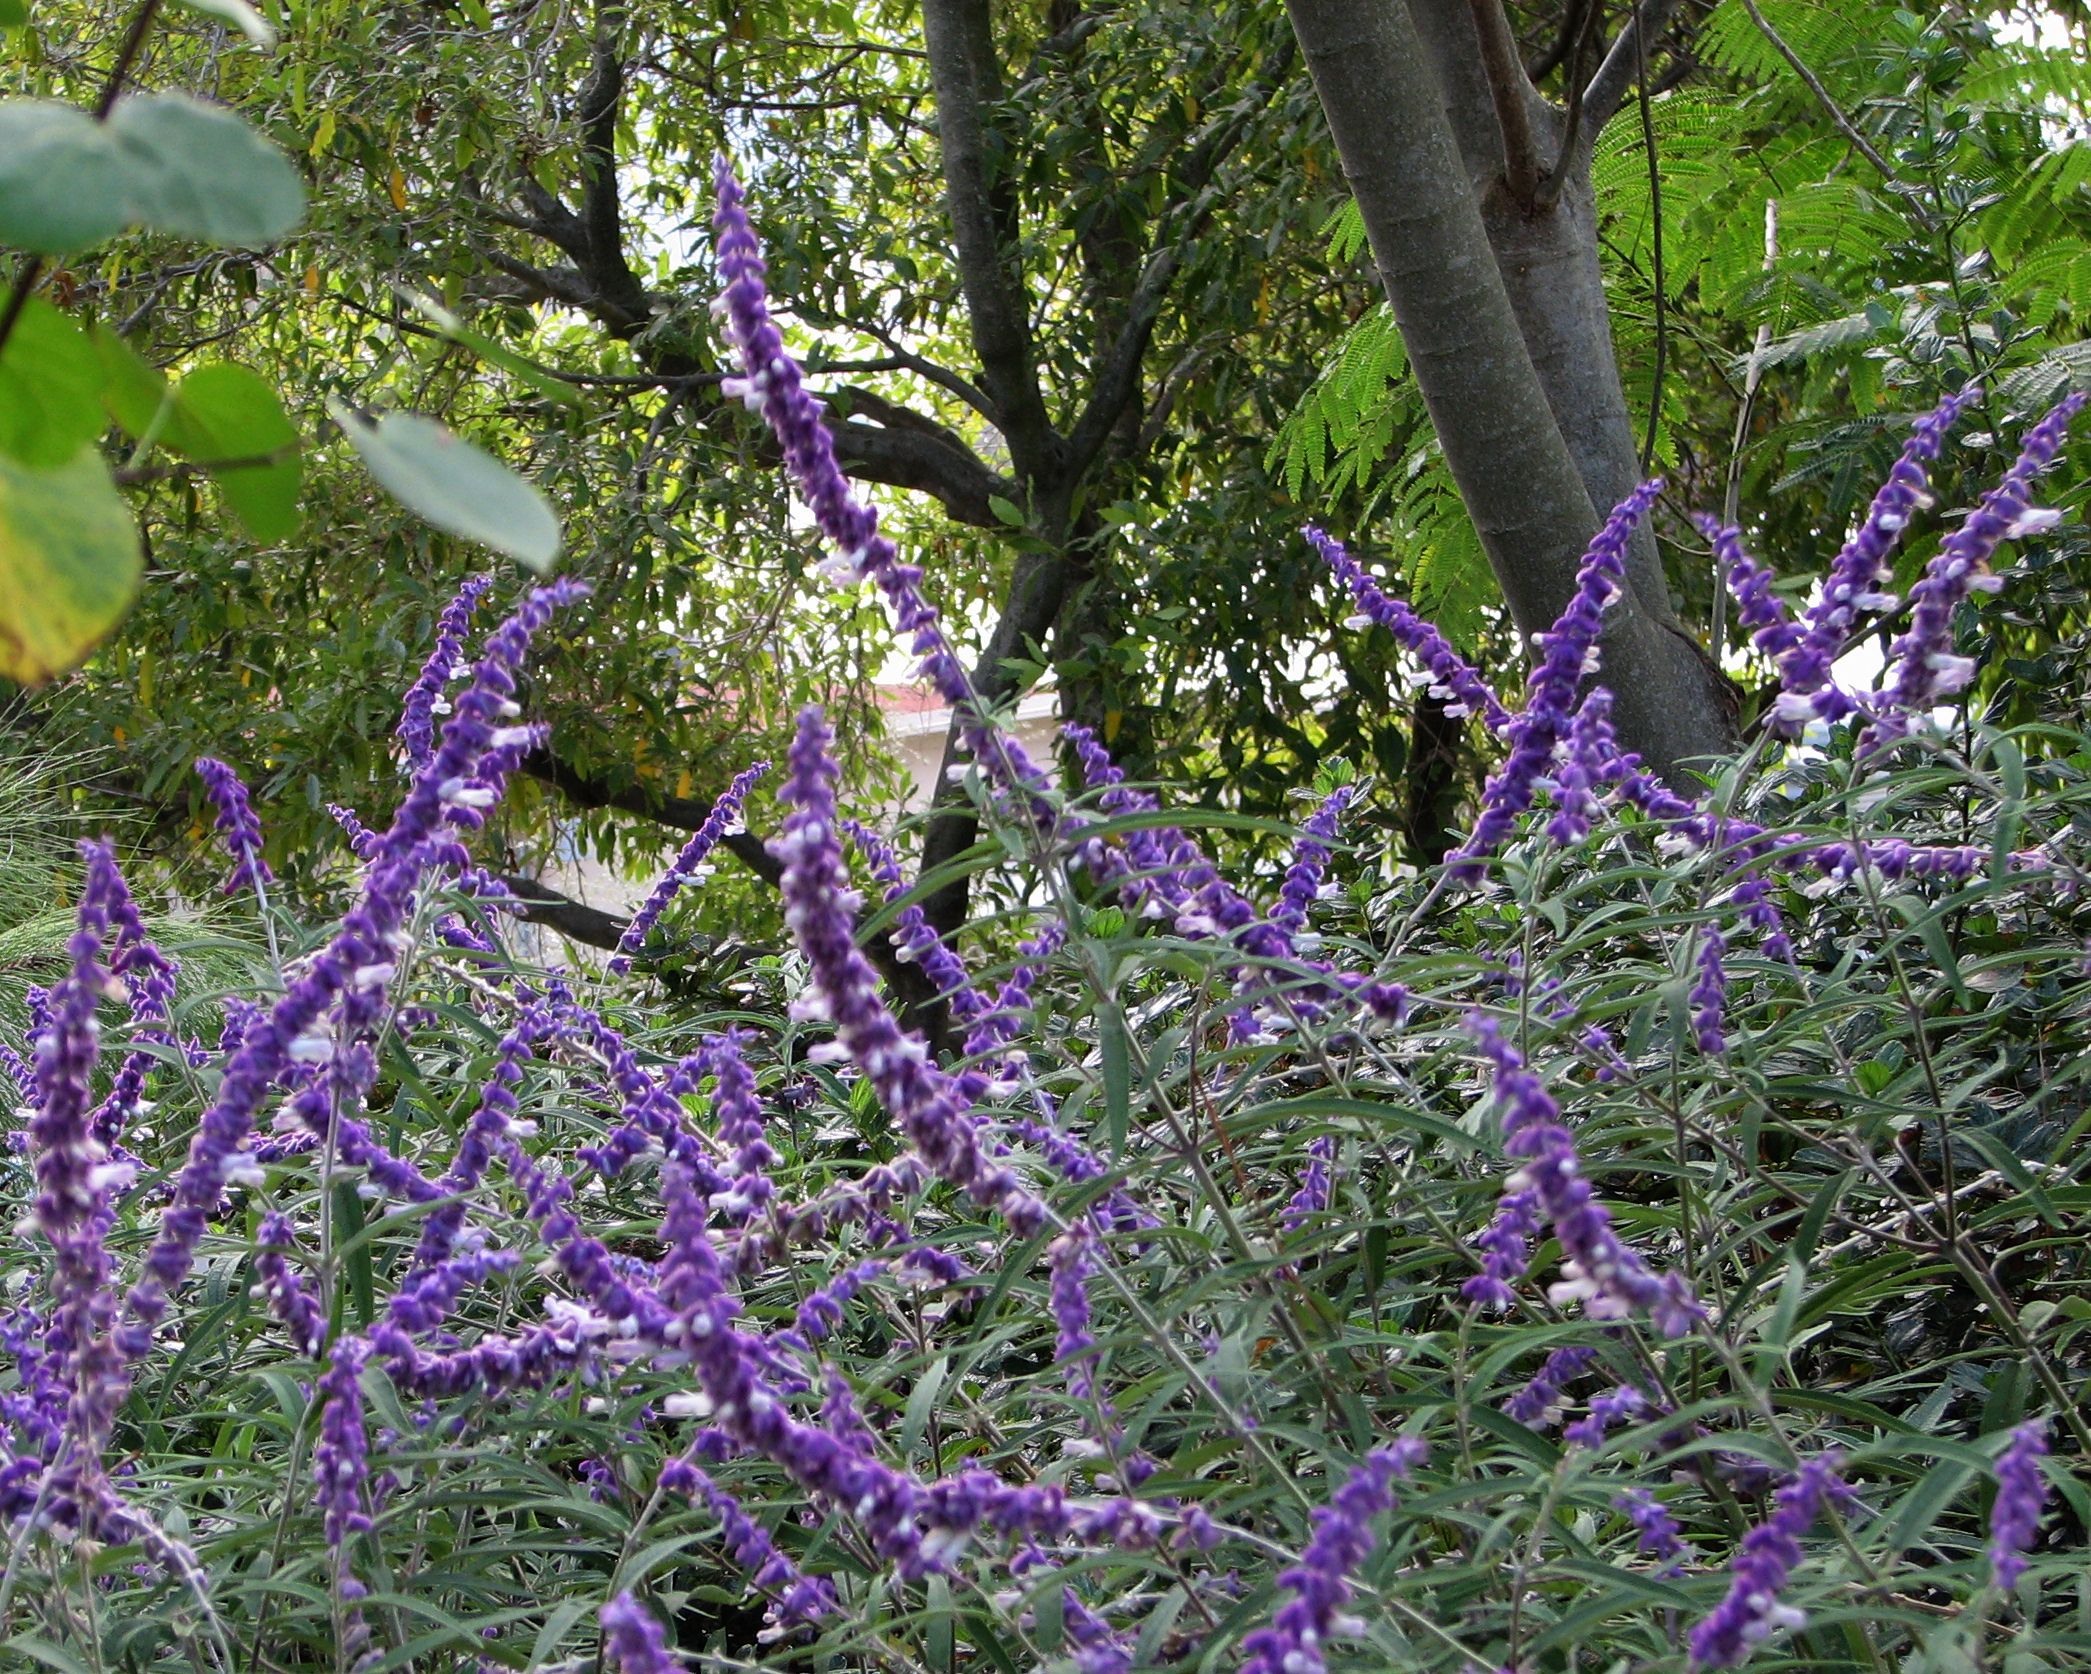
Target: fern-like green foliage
1971 260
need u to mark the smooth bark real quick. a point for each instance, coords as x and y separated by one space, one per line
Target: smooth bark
1502 311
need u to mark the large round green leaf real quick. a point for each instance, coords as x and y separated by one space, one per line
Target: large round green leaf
69 563
64 182
50 388
200 170
224 412
454 485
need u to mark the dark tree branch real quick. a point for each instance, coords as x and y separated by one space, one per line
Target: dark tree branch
1572 19
681 813
590 926
1118 380
1615 76
1510 90
907 458
967 80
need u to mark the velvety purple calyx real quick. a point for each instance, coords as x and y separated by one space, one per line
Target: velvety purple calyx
237 828
1567 653
1452 678
819 909
1541 1402
633 1641
1924 667
145 977
1614 1406
797 1599
1319 1584
1709 995
772 385
424 699
1752 1612
340 1457
2014 1518
1312 1195
1655 1530
1598 1268
690 865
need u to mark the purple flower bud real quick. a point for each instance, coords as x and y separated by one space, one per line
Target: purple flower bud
2014 1520
1655 1528
1752 1613
1313 1194
340 1455
1709 996
237 827
725 814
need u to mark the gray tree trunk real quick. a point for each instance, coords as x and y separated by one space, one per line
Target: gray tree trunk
1502 308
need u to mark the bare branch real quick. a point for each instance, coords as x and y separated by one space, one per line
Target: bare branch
1845 125
1608 88
962 66
590 926
1510 91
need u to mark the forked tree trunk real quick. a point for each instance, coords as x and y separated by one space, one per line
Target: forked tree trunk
1501 305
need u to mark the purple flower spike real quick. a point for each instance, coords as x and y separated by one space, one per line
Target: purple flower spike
1568 652
1926 668
1505 1251
689 866
1709 996
773 387
1598 1268
1452 677
1760 611
424 700
1752 1613
819 908
340 1455
2014 1520
1857 575
236 826
634 1640
1313 1194
1294 1642
71 1209
1656 1530
1310 861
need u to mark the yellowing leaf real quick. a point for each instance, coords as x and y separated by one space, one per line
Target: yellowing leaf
397 186
69 564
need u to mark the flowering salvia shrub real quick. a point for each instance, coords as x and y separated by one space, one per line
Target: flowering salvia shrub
1653 1240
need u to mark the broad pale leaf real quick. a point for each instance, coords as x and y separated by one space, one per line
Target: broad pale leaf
64 182
133 391
239 14
200 171
456 487
225 412
69 564
50 388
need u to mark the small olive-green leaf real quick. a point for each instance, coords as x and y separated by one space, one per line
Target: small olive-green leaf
240 15
69 563
200 171
13 14
65 183
456 487
493 353
50 388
